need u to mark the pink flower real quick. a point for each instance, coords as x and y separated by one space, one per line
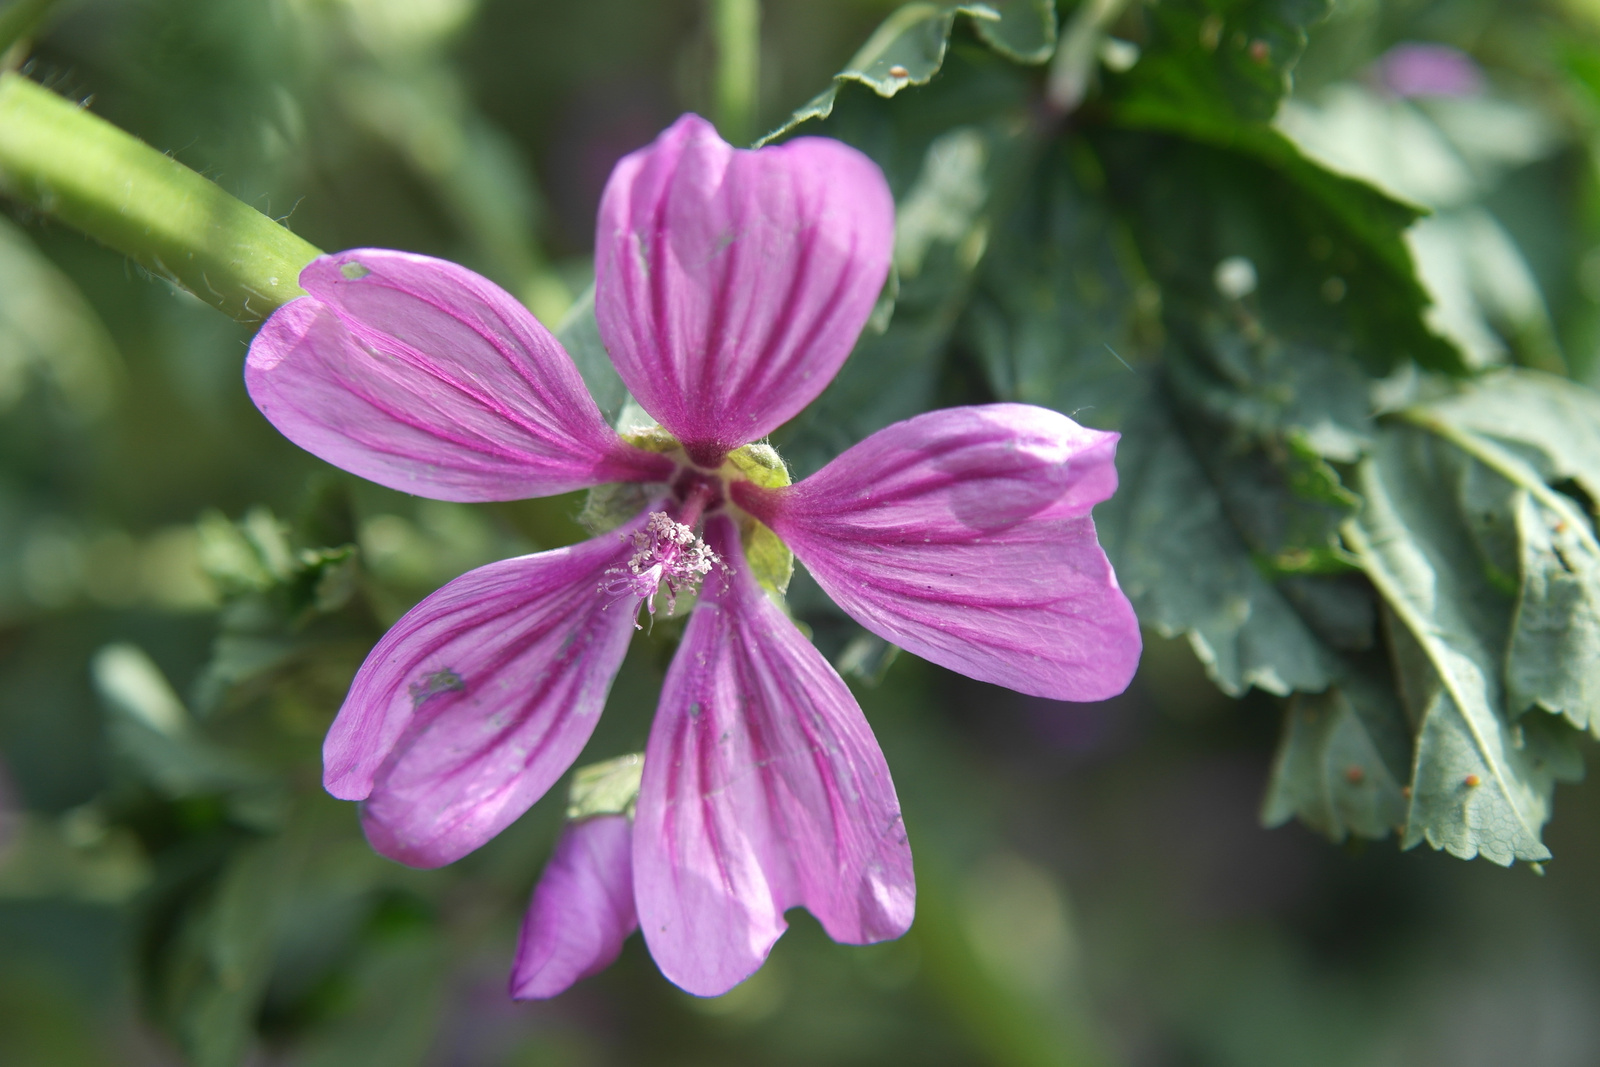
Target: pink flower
1418 69
730 286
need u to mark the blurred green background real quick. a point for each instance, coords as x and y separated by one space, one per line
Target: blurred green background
1095 884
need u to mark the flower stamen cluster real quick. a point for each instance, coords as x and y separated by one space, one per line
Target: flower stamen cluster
666 553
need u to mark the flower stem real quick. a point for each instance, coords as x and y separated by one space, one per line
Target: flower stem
736 34
68 164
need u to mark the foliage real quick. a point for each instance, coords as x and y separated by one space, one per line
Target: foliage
1161 261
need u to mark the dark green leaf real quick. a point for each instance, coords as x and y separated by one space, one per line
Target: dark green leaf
1554 422
1479 785
216 970
579 334
909 48
1217 60
1325 259
1530 432
1554 658
1339 769
395 991
1187 571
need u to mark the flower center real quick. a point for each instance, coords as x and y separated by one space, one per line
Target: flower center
666 554
670 555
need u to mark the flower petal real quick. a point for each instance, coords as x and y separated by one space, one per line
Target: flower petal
964 536
582 909
478 699
730 285
763 789
422 376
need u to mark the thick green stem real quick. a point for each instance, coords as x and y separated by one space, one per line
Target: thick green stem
736 31
72 166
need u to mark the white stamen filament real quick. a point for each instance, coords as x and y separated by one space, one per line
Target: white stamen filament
666 553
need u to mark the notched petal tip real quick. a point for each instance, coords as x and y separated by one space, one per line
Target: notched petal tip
965 537
731 284
763 789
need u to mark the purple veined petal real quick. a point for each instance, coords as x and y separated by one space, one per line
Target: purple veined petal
478 699
730 285
422 376
582 909
763 789
964 536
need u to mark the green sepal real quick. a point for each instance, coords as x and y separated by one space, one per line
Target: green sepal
770 559
651 438
761 465
608 506
608 788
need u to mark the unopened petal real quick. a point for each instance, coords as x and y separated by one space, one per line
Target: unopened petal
582 909
478 699
965 536
422 376
730 284
763 789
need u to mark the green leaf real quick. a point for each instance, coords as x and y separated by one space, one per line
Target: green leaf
909 48
1344 757
70 165
394 1000
579 334
1554 658
1530 432
1025 31
1225 60
1326 258
215 972
48 331
1183 564
1062 305
1479 786
151 729
1554 423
